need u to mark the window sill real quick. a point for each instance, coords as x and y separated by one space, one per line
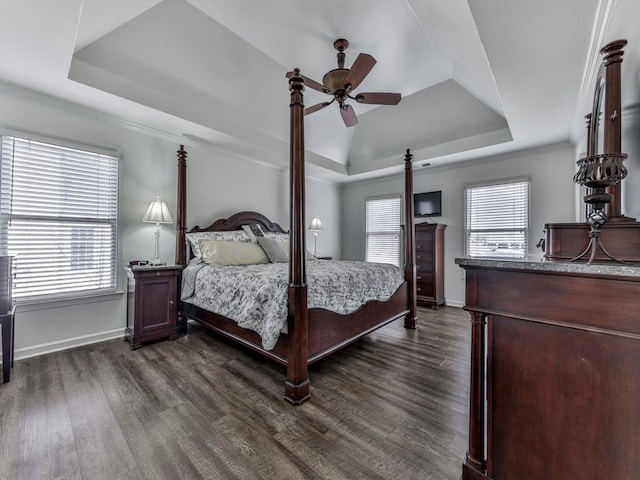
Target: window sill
62 302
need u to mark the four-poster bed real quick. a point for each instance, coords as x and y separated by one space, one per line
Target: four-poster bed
311 333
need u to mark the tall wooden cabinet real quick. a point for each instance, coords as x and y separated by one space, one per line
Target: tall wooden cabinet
430 264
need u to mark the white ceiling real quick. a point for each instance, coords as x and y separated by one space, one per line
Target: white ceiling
477 77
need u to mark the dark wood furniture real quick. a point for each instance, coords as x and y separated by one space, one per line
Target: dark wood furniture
562 375
6 284
325 331
7 321
311 333
620 236
152 303
430 264
564 241
7 315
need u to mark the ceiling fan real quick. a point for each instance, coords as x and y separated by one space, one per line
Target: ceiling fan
340 82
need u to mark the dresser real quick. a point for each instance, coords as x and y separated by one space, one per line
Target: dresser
152 303
430 264
555 370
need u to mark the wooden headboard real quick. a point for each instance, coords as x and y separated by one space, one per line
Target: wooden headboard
235 222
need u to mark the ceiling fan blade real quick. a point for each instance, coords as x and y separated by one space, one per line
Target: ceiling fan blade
316 107
360 69
379 98
348 115
311 83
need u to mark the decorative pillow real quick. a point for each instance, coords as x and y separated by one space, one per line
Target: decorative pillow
285 247
231 236
273 250
283 240
222 252
253 230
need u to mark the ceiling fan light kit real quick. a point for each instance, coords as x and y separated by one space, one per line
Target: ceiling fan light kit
340 81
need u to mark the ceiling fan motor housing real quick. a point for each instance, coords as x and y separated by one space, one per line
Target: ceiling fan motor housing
334 79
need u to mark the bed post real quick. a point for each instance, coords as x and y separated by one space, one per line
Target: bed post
297 383
181 224
181 216
410 320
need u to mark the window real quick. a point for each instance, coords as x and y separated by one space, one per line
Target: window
383 230
497 220
58 217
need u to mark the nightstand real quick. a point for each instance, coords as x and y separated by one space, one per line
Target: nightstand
152 303
8 323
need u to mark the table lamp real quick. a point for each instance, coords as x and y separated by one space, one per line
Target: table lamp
315 228
157 213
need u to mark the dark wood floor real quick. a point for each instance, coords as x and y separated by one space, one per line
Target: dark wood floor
391 406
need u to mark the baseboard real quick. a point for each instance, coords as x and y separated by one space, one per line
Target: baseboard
51 347
66 344
454 303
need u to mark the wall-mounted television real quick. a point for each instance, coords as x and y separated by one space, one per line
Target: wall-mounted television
428 204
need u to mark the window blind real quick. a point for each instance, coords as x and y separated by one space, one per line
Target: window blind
497 220
58 217
383 230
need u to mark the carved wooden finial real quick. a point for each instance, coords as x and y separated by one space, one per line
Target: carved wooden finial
182 153
407 158
296 82
612 51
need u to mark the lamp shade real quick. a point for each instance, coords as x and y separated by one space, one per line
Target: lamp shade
157 212
316 225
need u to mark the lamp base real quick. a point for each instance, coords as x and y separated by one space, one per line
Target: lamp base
157 263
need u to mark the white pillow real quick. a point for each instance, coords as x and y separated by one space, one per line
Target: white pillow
222 252
232 236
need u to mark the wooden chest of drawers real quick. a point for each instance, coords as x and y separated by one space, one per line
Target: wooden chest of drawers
430 264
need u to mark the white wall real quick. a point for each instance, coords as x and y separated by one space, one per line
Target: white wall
219 185
631 146
552 199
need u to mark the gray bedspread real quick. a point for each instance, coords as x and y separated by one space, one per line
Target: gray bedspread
255 296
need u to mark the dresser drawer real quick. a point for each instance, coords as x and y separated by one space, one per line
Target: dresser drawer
424 289
425 264
424 277
426 247
424 237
